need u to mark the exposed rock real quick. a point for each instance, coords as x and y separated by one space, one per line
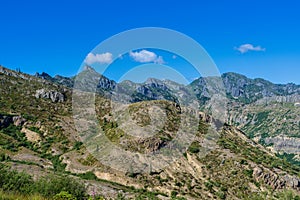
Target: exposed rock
276 181
12 73
29 156
31 135
146 145
294 98
292 182
5 121
44 76
53 95
152 144
204 117
269 178
18 120
250 90
68 82
106 84
257 172
284 143
152 89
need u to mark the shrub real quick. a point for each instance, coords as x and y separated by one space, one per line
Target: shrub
221 195
174 194
88 176
64 196
77 145
57 164
11 180
4 157
194 148
51 185
48 186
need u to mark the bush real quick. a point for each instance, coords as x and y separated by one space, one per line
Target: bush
221 195
4 157
57 164
60 187
209 185
88 176
194 147
174 194
11 180
64 196
77 145
50 186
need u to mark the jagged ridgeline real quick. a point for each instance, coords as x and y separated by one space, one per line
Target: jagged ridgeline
38 136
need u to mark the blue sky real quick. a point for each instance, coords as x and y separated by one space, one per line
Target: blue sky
56 36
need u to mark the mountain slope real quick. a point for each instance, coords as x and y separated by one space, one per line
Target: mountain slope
265 111
37 134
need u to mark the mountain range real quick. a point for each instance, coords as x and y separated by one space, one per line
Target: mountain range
255 156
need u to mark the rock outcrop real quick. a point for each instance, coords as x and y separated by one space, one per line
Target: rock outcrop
18 120
6 120
283 143
53 95
276 181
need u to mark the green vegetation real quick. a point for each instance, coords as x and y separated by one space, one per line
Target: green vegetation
49 186
88 176
256 155
289 158
194 147
18 196
77 145
11 138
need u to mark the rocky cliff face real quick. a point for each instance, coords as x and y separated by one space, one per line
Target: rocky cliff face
250 90
290 145
276 181
54 96
246 90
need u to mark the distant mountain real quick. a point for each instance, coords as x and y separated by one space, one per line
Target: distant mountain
238 87
246 90
267 112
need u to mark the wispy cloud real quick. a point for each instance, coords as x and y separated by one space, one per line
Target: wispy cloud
244 48
145 56
104 58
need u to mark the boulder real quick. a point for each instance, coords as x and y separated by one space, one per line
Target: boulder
5 121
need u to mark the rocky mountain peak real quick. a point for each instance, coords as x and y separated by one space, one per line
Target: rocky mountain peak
88 68
43 75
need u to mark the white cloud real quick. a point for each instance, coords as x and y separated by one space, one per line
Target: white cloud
174 56
104 58
145 56
249 47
